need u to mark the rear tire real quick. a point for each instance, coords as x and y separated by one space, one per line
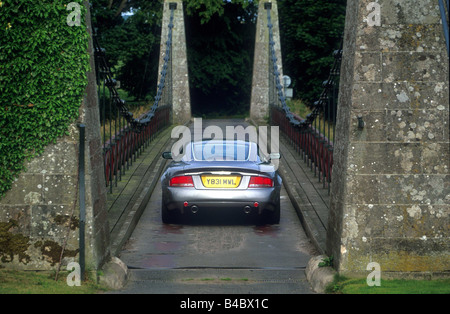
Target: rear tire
273 218
168 217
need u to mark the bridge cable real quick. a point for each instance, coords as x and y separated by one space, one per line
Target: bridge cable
319 105
136 124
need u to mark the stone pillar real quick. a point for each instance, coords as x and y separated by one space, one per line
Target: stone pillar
97 227
181 99
35 215
391 183
259 104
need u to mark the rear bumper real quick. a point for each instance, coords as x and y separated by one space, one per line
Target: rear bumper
175 199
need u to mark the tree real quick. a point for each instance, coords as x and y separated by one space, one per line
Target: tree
206 9
310 31
132 42
220 56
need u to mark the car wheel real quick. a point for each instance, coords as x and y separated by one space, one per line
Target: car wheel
273 218
167 216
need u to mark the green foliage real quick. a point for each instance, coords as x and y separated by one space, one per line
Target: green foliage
131 42
206 9
326 262
310 31
220 59
43 65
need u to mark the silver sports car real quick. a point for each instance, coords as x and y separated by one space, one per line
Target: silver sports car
227 175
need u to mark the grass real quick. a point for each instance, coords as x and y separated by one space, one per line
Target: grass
110 127
299 108
32 282
343 285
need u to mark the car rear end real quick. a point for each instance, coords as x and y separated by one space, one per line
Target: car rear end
200 186
207 191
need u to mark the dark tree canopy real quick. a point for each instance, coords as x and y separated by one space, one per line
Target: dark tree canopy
310 31
131 41
220 39
220 58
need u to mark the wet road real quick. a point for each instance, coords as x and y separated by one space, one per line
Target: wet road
217 253
221 254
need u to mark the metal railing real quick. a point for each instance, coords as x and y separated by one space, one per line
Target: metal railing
313 136
124 138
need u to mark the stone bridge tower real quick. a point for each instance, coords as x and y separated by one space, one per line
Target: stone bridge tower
178 66
39 216
391 180
261 86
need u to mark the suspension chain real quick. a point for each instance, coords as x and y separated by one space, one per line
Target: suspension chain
319 105
110 82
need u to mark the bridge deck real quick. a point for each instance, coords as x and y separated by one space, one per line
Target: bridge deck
129 198
310 199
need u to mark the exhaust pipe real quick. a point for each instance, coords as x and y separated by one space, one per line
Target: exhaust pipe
247 209
194 209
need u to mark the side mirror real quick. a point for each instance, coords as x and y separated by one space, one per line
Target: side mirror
275 156
167 155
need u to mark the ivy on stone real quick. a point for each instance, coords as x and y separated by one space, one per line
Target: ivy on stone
43 65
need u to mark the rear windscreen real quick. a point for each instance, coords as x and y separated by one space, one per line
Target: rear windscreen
214 151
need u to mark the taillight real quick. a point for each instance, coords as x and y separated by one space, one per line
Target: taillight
260 182
182 181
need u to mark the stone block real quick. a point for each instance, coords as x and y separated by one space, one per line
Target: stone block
434 158
414 66
423 12
57 158
319 277
115 274
53 221
60 189
415 125
411 255
26 189
414 189
368 67
368 158
19 215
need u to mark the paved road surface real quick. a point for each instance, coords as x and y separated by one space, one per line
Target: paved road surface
217 254
227 255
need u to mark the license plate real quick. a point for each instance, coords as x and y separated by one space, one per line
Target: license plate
221 182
